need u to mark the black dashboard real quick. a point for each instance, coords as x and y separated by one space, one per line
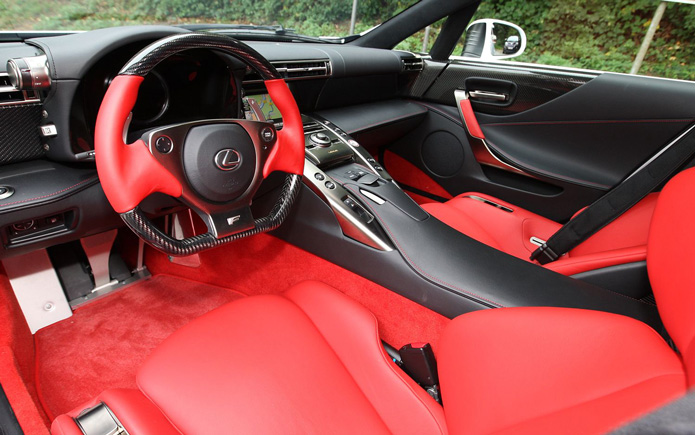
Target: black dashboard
46 149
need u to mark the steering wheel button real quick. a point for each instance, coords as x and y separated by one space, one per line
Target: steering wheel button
164 144
267 134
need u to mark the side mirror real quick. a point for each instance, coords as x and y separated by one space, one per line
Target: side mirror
490 39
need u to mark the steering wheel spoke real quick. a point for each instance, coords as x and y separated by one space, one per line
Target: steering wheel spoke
214 166
226 223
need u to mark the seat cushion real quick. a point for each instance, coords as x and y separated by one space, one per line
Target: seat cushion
510 229
552 370
272 364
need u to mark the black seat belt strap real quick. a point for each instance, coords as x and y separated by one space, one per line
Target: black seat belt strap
619 199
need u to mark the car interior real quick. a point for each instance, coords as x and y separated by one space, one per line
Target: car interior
212 234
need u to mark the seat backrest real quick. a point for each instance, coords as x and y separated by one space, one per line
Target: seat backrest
671 263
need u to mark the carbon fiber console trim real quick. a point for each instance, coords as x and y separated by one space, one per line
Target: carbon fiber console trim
20 139
142 226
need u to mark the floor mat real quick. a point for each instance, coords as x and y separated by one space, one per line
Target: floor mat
104 343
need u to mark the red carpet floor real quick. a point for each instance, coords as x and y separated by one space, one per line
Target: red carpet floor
104 343
263 264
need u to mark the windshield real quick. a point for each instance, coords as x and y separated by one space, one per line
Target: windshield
317 18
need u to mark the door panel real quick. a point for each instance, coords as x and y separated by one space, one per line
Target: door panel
425 149
569 132
596 134
533 87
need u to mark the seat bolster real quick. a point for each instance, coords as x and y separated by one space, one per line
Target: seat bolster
136 413
556 370
351 331
579 419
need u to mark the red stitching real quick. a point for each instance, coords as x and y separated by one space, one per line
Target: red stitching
50 194
412 263
598 121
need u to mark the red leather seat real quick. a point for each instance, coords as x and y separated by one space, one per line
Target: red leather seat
552 370
309 361
622 241
312 362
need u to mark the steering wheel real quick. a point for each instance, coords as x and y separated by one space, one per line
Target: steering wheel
213 166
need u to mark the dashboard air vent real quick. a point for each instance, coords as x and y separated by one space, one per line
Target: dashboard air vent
412 64
312 127
296 70
9 95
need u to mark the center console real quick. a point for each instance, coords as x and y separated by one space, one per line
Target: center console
352 213
332 157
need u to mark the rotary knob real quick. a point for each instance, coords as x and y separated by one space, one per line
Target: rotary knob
320 139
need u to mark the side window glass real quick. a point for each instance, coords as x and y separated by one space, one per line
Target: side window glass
597 35
422 41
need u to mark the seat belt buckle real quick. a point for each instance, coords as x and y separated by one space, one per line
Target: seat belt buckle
418 362
544 254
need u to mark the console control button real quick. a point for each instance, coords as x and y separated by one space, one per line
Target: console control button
320 139
369 179
49 130
358 209
352 175
354 143
330 185
319 176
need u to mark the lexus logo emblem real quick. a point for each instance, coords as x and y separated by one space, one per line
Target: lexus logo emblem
228 159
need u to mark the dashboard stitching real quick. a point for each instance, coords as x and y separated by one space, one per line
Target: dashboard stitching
51 194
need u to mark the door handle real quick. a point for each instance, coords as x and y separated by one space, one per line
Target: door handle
467 114
488 95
